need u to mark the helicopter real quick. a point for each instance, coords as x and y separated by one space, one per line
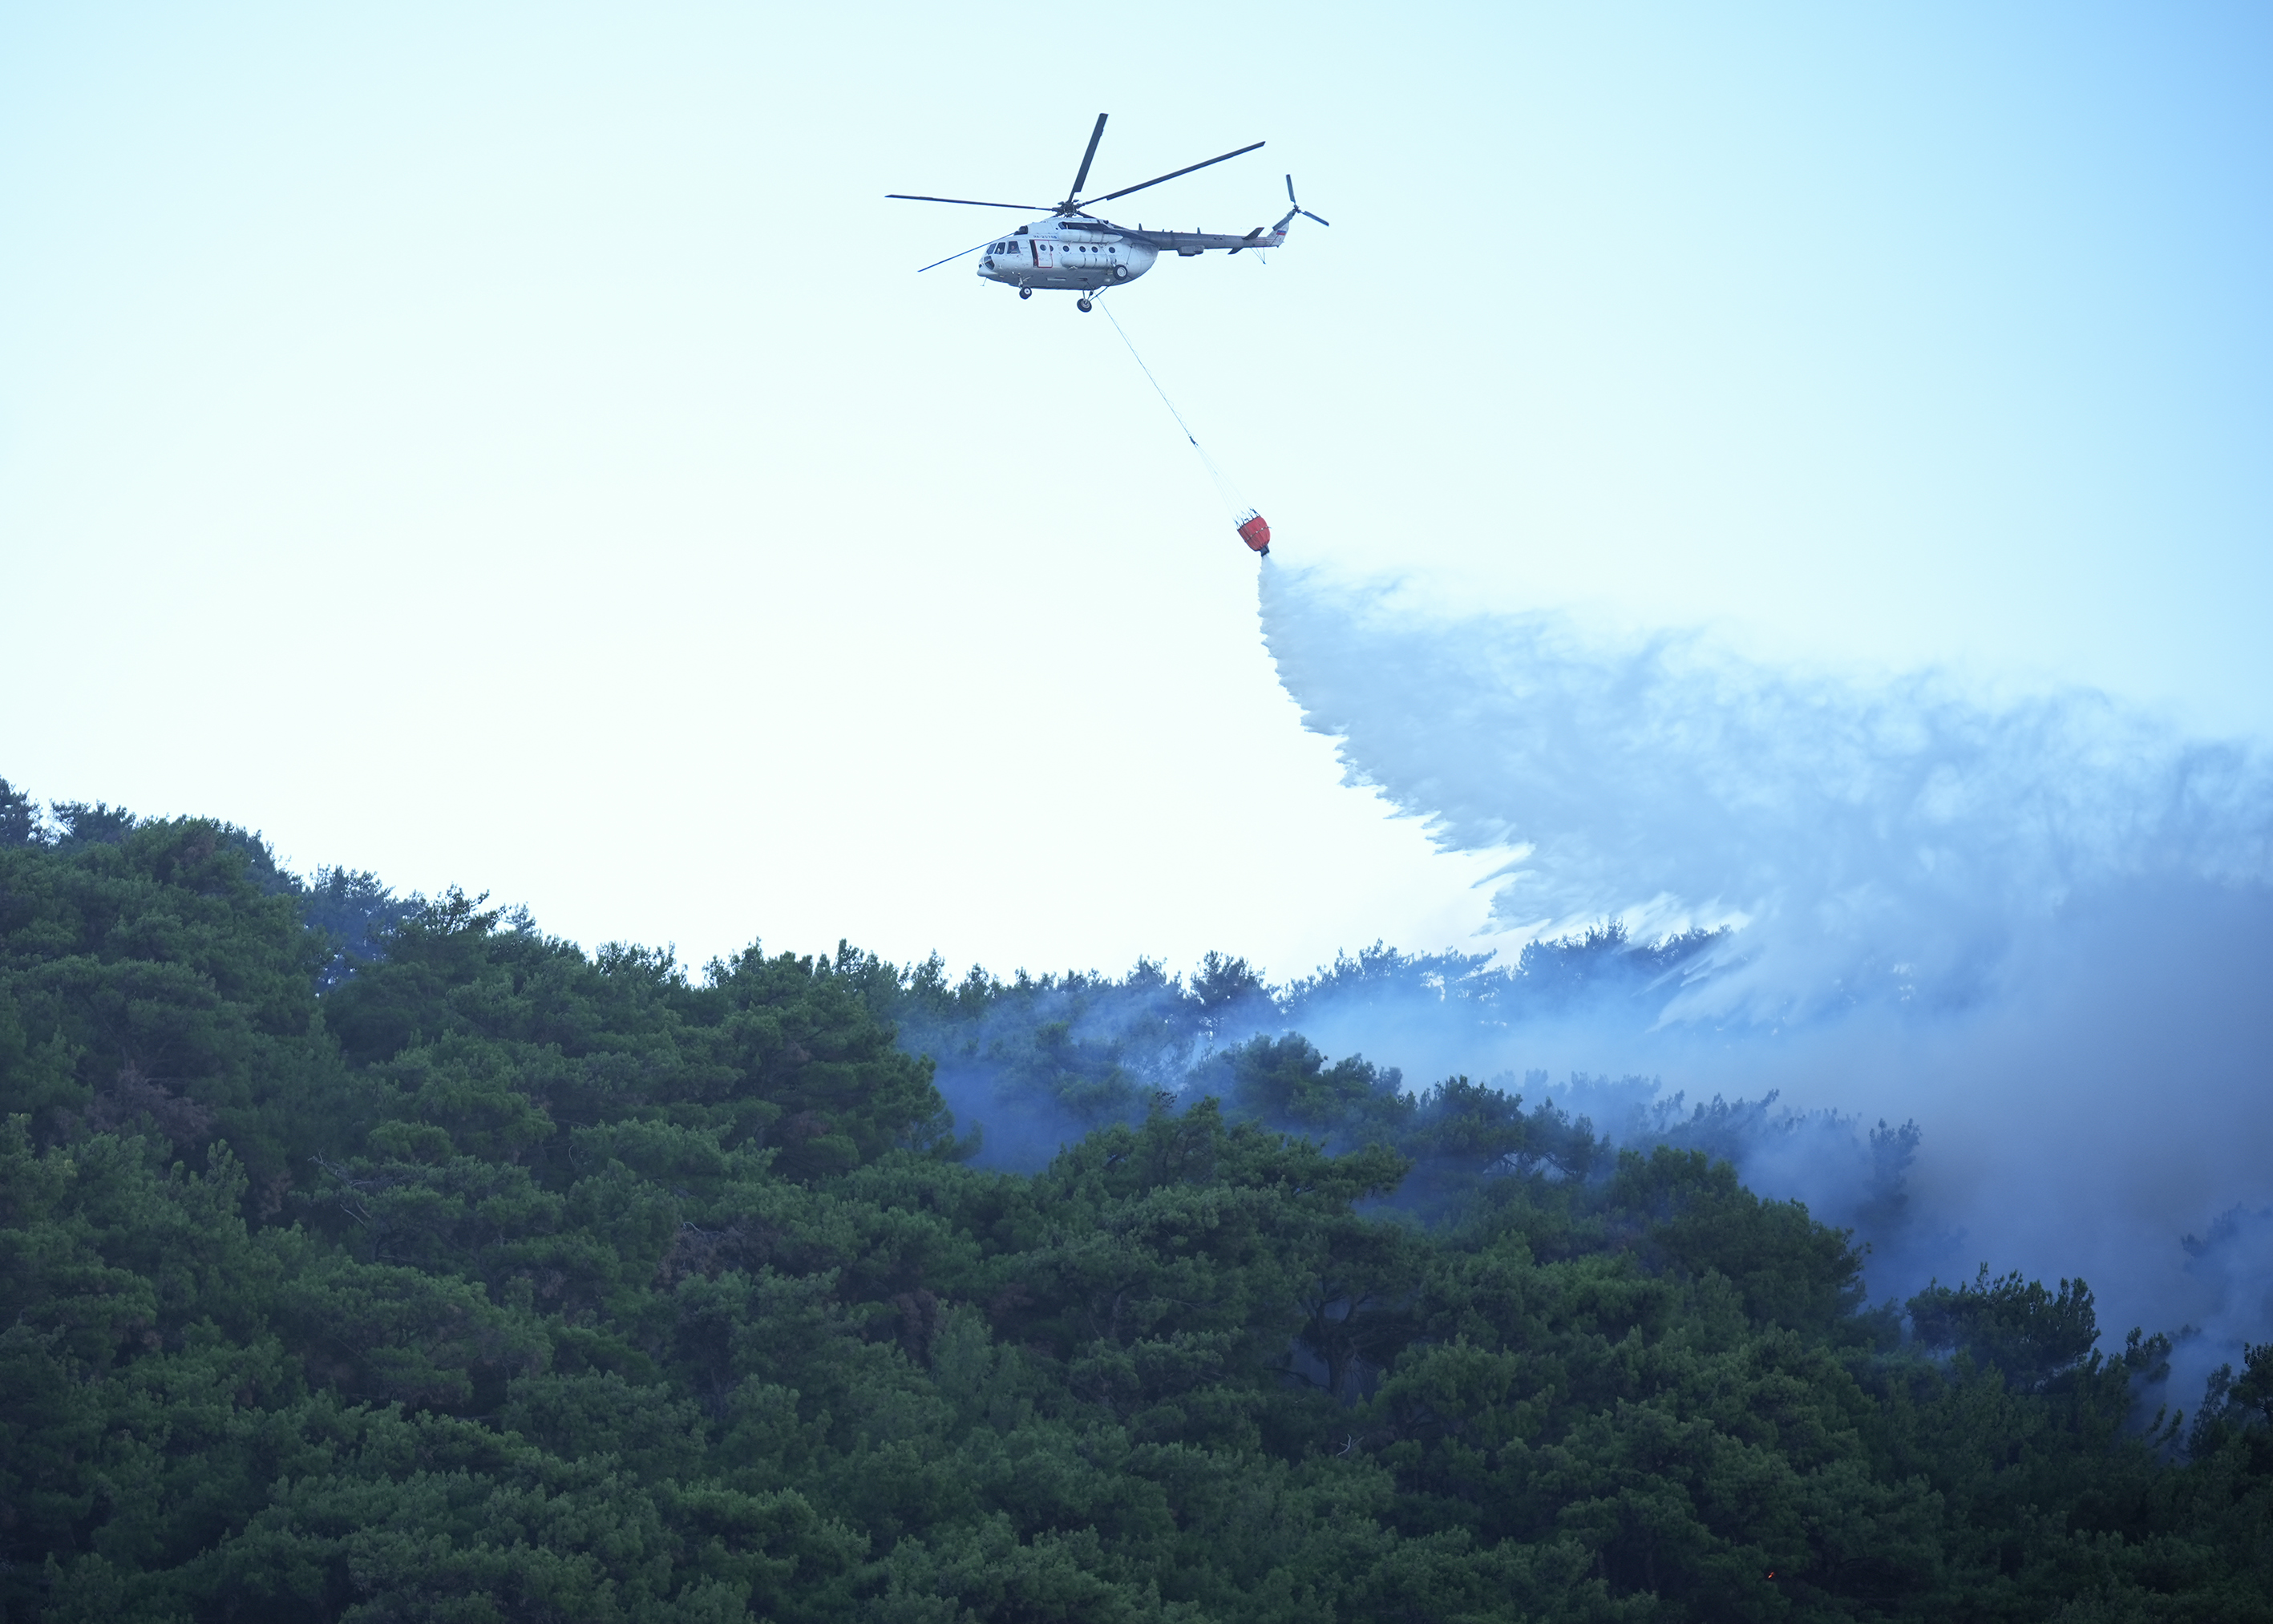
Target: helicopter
1081 253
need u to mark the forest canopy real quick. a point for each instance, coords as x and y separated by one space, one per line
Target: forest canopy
368 1258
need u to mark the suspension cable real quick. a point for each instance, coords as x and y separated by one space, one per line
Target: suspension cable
1223 486
1149 378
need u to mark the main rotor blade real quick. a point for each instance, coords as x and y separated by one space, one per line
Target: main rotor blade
1081 179
935 264
1171 174
909 197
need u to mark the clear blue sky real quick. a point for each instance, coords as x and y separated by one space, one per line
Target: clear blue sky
506 445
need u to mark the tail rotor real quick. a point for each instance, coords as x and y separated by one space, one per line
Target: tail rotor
1298 208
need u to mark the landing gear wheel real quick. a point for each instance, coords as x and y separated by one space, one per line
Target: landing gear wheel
1025 293
1082 304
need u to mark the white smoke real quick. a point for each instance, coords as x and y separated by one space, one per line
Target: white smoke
2043 929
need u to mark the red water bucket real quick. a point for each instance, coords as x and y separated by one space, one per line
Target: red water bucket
1255 532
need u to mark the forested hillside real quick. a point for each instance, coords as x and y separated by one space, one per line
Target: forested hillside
378 1261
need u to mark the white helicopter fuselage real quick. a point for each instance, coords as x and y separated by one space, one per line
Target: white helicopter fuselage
1052 254
1090 256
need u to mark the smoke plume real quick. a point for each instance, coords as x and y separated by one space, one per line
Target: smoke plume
2040 930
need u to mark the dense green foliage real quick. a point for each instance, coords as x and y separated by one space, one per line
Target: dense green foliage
496 1281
